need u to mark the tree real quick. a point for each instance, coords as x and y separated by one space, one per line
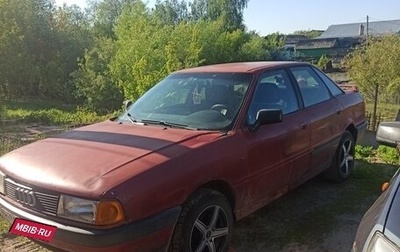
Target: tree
39 47
72 29
26 46
149 45
148 48
231 11
273 44
374 67
171 12
139 60
94 82
255 49
105 14
309 33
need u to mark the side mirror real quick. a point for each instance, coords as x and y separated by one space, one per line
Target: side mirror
388 134
127 104
267 116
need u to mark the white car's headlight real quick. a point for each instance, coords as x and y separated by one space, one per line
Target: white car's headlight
89 211
380 243
2 183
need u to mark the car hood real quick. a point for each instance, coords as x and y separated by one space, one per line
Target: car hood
79 160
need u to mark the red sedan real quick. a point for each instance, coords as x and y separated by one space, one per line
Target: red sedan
204 147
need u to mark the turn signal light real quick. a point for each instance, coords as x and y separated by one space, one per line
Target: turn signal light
385 186
109 212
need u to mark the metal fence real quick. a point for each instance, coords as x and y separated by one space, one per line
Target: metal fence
373 124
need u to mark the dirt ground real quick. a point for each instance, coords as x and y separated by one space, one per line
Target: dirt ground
281 226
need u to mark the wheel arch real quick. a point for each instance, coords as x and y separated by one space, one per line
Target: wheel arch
353 131
215 188
224 188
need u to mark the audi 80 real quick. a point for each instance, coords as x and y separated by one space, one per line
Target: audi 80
203 148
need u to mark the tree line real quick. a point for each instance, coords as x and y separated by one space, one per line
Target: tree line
117 49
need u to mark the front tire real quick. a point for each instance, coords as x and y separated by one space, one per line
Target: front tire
205 224
343 161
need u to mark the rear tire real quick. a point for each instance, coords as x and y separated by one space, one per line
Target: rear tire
205 223
343 161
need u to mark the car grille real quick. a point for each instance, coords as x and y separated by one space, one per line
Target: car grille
34 199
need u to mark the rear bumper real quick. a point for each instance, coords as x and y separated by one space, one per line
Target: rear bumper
151 234
361 128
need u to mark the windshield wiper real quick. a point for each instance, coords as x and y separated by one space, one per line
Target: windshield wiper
131 118
167 124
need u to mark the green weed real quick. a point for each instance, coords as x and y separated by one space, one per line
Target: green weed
53 116
388 154
364 153
4 226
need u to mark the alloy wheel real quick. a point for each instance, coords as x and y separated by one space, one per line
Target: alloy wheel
210 230
346 157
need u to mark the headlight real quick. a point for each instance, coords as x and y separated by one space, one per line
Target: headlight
88 211
380 243
2 183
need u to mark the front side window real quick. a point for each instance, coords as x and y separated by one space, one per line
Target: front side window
274 91
312 88
193 100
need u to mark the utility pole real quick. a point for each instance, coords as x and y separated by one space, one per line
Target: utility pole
367 26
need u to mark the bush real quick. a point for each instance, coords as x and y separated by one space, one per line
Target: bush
325 63
389 155
364 153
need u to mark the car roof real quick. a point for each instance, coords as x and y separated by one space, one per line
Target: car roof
241 67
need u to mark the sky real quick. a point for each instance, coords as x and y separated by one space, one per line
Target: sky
286 16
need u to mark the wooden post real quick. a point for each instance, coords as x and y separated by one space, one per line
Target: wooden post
398 116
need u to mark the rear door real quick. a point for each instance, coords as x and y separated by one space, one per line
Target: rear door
324 114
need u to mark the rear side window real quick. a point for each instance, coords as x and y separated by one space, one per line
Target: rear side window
313 90
335 90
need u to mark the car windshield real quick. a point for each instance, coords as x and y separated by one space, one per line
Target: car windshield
192 100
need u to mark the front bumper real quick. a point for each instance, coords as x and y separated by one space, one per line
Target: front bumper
151 234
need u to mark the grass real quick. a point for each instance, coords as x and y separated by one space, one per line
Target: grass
48 113
4 226
19 113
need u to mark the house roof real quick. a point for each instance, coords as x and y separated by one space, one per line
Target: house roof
320 43
377 28
317 43
293 38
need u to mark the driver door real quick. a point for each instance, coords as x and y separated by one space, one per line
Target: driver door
277 153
